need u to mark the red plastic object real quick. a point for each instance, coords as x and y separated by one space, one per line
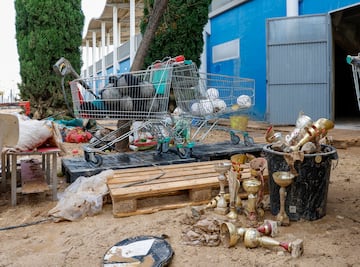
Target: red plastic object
26 105
144 145
179 58
77 135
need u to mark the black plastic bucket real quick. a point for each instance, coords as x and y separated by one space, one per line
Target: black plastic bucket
306 197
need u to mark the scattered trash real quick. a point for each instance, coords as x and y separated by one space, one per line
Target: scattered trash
78 135
140 251
84 197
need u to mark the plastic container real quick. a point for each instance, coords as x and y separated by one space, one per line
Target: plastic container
306 197
239 122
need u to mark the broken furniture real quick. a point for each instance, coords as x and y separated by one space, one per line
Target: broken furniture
48 166
9 135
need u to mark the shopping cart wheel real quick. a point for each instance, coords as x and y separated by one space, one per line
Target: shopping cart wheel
94 159
184 152
248 140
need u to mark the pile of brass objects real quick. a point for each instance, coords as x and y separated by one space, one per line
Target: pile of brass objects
258 237
306 137
247 172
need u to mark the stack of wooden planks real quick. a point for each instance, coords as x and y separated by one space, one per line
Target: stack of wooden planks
149 189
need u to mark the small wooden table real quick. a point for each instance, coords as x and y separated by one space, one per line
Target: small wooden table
49 165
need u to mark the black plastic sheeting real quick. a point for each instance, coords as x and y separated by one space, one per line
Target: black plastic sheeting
74 167
306 197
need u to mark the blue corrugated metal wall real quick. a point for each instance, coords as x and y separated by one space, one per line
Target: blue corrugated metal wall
247 22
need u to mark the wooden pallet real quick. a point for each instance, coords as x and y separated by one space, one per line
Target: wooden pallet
166 187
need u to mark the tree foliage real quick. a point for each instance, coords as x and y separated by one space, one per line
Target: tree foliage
149 33
180 30
45 31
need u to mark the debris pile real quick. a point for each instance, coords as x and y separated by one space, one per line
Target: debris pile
306 137
237 213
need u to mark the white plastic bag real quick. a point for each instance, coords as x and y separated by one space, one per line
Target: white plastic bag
32 134
84 197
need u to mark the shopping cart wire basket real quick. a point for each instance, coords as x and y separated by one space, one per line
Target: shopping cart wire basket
137 95
205 98
209 95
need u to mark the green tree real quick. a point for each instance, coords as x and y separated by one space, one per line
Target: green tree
180 30
45 31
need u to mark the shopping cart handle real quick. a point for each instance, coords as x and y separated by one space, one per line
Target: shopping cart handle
353 60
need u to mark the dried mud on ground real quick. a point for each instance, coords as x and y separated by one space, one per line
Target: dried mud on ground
333 240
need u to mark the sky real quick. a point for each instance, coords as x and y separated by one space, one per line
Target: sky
9 66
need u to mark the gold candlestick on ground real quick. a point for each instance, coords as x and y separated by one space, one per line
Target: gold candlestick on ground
230 234
269 227
222 168
283 179
253 239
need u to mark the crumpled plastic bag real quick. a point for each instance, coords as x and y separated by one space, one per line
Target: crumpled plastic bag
82 198
32 134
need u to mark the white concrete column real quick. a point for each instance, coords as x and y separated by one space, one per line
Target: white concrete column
94 52
203 57
132 31
87 58
292 8
107 43
103 67
94 60
115 40
119 30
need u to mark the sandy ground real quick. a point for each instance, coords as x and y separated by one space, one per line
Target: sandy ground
333 240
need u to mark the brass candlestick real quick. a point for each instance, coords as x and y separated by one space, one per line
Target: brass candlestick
234 186
230 234
269 227
222 168
257 166
302 123
251 186
253 239
317 129
283 179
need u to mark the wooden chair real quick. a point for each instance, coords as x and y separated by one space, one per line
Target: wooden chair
9 136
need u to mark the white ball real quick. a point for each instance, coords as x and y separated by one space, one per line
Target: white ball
177 111
206 107
195 108
212 93
244 101
219 105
